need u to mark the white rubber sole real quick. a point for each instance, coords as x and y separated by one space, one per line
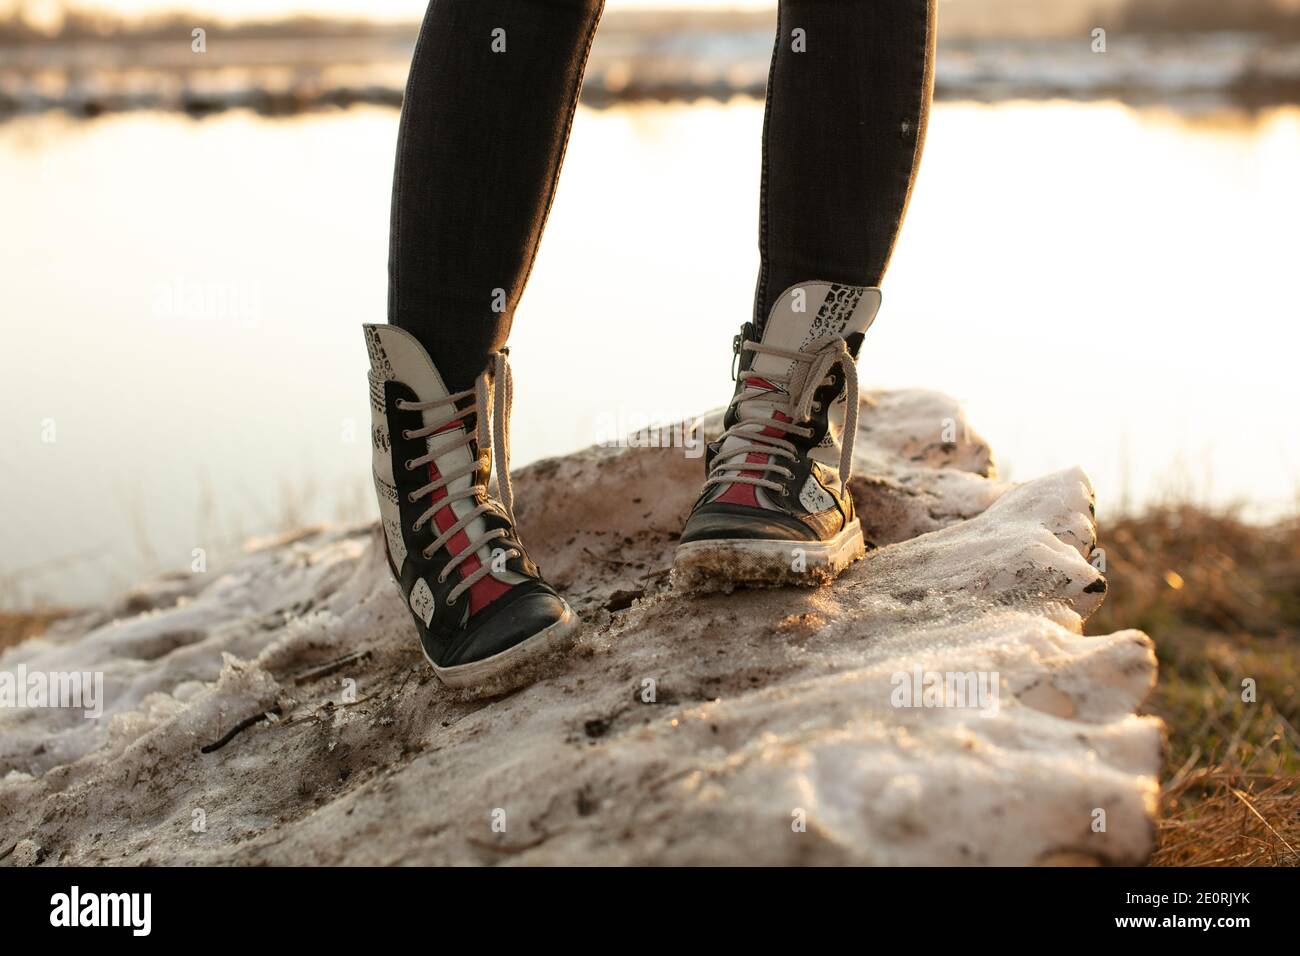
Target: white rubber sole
513 666
738 561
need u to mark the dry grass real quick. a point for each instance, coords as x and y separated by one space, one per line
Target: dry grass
17 626
1221 599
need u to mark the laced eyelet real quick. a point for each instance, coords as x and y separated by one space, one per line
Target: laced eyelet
406 433
425 554
409 466
451 602
411 497
442 578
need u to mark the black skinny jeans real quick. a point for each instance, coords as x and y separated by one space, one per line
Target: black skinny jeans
483 134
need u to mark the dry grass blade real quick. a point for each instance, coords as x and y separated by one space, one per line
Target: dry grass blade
1251 807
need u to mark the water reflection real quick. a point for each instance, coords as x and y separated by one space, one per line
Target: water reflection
181 301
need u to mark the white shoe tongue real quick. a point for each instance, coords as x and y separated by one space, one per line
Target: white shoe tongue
810 311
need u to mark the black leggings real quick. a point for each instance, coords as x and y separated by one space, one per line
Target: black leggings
483 134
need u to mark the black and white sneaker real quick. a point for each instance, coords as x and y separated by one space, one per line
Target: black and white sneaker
776 507
479 603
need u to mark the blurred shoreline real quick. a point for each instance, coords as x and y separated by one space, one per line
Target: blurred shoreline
288 68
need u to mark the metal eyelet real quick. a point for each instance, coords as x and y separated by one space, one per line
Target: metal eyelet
409 466
406 433
816 406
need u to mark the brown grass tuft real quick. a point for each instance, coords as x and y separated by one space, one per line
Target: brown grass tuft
1221 599
17 626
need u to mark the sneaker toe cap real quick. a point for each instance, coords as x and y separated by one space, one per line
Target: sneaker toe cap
512 625
749 525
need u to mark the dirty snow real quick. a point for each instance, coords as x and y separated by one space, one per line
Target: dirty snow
281 712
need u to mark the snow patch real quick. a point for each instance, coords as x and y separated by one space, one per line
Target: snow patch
282 712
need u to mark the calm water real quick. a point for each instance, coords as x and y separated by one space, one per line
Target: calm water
183 367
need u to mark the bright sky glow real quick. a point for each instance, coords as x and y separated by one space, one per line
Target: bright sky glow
374 9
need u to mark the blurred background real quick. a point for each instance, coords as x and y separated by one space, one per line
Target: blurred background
1098 259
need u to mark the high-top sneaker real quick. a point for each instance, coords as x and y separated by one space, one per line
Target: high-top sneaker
479 603
776 508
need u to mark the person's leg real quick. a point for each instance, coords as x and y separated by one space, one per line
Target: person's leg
488 108
489 103
847 105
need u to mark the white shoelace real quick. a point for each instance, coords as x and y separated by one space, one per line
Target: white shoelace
811 368
491 407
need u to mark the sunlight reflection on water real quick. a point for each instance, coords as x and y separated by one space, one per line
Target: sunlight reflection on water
182 302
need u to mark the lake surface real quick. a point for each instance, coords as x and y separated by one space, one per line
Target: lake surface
181 303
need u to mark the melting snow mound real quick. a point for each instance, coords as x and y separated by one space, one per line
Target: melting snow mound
936 705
